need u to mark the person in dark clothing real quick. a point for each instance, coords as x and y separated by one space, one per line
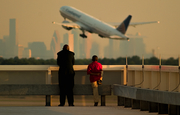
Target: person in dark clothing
66 74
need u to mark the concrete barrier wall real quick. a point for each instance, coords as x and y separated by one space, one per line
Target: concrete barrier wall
81 77
49 90
163 102
111 74
151 77
164 97
24 74
165 78
48 74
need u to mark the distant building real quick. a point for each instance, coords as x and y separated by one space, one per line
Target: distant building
2 47
13 29
82 47
27 53
6 51
55 45
106 52
95 49
112 50
38 50
88 45
77 42
153 53
135 46
20 51
68 38
13 38
124 48
9 44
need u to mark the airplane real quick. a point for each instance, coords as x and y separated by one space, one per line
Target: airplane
85 22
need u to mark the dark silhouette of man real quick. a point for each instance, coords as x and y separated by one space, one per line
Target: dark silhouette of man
65 60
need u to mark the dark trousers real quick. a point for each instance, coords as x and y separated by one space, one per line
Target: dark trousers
66 90
66 85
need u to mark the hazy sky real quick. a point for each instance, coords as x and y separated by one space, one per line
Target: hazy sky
35 20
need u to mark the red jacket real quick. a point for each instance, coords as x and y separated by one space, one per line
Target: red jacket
94 67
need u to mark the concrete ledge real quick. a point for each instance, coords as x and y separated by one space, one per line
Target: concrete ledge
157 96
87 89
47 89
124 91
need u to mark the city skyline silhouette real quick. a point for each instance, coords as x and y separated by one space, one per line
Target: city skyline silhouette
83 48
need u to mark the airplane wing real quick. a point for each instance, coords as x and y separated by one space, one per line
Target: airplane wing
142 23
129 37
118 37
134 24
69 24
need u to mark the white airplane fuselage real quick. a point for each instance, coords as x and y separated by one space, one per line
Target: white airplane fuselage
89 23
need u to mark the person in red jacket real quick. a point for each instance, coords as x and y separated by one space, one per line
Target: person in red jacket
95 71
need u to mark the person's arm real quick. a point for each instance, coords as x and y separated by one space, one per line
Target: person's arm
91 73
73 60
88 70
94 73
58 61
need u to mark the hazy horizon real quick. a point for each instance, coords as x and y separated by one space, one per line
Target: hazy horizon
35 20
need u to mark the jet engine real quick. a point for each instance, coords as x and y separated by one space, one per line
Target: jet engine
101 36
65 27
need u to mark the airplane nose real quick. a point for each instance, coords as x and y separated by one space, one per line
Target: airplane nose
62 8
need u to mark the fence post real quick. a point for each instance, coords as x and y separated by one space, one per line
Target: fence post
159 72
103 100
120 101
48 100
126 70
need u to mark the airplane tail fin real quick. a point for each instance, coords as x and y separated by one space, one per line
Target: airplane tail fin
124 25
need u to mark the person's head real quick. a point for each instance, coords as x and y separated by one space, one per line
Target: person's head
65 47
94 58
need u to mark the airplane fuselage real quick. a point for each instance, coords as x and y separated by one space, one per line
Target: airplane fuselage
89 23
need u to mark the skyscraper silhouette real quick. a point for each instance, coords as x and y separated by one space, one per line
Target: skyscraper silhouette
38 50
95 49
55 45
13 38
1 48
133 47
27 53
68 38
11 42
88 45
20 51
6 47
77 41
112 49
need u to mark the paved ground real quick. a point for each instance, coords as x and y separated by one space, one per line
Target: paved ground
71 111
35 105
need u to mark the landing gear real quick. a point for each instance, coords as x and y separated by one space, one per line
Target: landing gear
83 35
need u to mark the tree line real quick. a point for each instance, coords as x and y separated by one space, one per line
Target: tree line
134 60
